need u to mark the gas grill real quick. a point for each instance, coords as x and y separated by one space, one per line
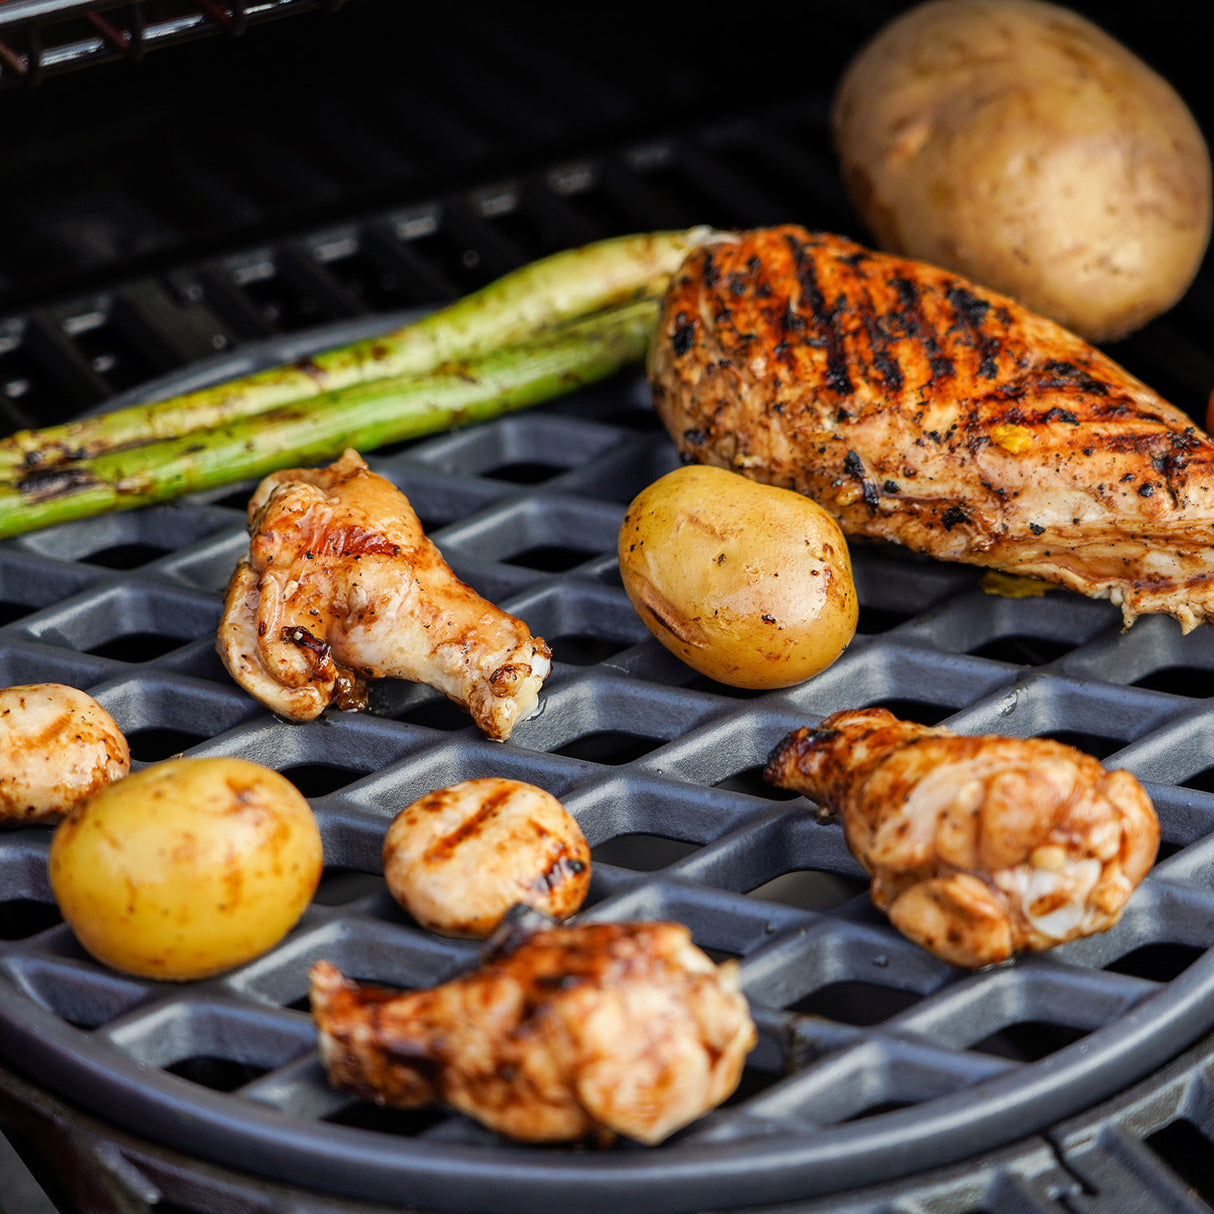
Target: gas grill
176 218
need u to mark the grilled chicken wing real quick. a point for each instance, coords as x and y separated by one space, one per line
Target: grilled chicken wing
340 585
919 408
607 1028
978 847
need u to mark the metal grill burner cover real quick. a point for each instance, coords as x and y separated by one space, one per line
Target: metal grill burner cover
875 1059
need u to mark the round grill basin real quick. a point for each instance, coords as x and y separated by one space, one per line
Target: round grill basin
875 1059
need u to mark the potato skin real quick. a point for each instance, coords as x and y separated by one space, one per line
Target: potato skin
749 584
1015 142
58 746
186 868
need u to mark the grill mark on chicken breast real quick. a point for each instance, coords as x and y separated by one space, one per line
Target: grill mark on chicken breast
563 869
920 408
489 807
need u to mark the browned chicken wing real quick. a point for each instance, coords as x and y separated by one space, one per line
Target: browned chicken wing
340 585
605 1028
978 847
919 408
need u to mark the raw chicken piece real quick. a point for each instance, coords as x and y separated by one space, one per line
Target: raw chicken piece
920 408
606 1028
978 847
340 585
58 746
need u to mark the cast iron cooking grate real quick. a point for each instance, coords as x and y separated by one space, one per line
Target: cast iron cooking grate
875 1059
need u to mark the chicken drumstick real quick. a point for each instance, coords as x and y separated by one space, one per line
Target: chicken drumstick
341 585
978 847
605 1028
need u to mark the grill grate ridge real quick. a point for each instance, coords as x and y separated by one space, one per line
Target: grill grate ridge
908 1036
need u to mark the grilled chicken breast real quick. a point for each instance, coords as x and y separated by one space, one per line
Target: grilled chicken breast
603 1028
978 847
340 585
921 409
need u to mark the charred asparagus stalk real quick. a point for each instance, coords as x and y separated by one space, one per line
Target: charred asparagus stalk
364 416
526 302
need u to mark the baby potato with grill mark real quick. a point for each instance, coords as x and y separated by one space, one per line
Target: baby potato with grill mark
460 857
58 746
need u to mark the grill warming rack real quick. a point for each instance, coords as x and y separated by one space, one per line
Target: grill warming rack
41 38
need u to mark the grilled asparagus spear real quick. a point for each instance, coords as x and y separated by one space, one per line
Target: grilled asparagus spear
539 331
363 416
528 301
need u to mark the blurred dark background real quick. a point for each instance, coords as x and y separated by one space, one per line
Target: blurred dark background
161 202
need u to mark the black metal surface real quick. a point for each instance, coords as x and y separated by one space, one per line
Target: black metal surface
1148 1150
875 1058
875 1061
40 38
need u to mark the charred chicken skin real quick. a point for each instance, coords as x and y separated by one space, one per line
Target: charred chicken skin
340 585
922 409
599 1029
978 847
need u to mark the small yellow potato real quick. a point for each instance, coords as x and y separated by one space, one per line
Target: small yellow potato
460 857
1015 142
749 584
186 868
57 747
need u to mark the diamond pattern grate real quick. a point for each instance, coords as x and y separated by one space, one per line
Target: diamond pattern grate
875 1059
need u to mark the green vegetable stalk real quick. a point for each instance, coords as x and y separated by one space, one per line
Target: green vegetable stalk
529 301
363 416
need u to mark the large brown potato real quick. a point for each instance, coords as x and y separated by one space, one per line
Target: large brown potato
1017 143
748 583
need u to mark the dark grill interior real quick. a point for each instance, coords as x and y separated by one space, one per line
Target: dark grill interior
237 199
